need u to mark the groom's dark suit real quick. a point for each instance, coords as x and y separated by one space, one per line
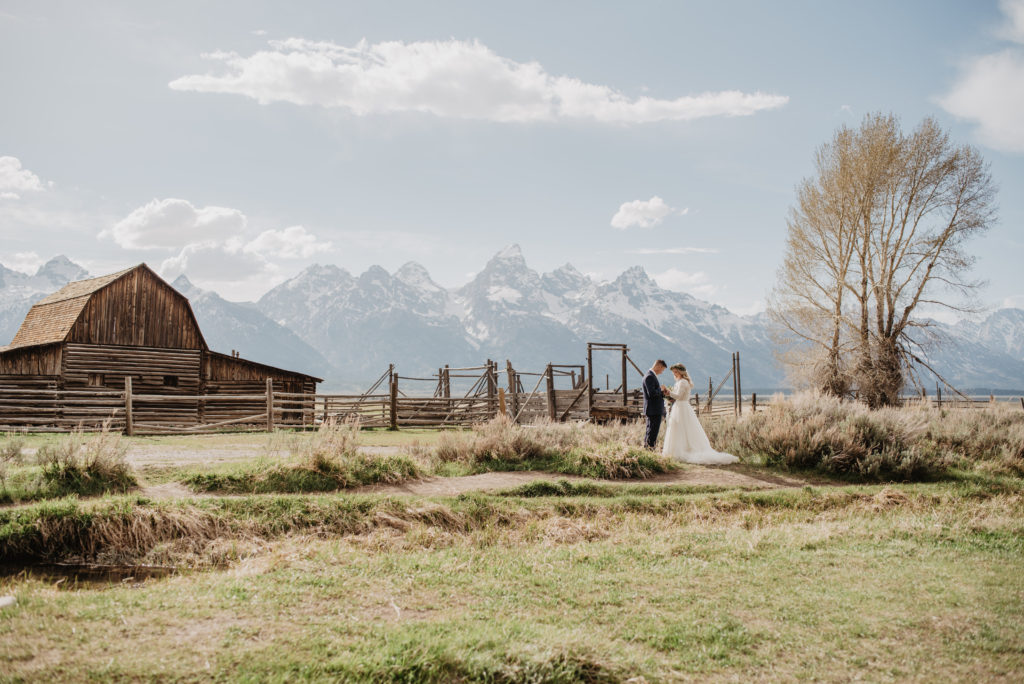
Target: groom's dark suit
654 407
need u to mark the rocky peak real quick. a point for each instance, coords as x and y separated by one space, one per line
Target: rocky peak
183 285
417 277
565 280
60 271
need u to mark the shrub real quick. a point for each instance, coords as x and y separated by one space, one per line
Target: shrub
586 449
812 431
329 461
85 465
11 451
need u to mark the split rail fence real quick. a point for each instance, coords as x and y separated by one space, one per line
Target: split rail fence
559 392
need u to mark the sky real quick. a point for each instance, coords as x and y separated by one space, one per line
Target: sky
238 142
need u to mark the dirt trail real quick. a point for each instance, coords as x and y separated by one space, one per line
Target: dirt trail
692 475
487 482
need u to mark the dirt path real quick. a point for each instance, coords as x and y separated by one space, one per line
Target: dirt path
148 455
487 482
484 482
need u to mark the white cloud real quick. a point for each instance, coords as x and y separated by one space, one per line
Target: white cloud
695 283
171 223
643 213
990 88
990 92
453 78
293 242
14 179
1013 29
1013 302
227 267
674 250
26 262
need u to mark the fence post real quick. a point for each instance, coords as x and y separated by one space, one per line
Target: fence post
129 424
270 404
711 390
492 381
394 403
739 384
735 393
551 393
513 390
753 402
938 395
625 395
1022 402
501 401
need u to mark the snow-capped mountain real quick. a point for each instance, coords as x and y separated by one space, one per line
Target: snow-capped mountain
348 328
231 326
19 291
509 311
360 324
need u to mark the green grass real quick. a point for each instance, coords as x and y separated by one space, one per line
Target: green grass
868 582
265 478
78 464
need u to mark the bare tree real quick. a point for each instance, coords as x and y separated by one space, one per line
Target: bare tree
878 232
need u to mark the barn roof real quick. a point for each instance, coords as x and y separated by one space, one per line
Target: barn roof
51 318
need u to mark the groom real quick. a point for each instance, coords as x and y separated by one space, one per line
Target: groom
654 402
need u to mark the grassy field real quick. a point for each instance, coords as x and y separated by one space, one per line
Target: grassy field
879 583
553 580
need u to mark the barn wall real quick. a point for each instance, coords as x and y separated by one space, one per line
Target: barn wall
32 361
138 309
149 368
229 375
222 370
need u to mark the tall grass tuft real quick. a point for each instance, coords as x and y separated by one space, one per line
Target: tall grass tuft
812 431
585 449
85 465
329 461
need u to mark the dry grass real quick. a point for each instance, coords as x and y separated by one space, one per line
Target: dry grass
901 582
76 463
608 452
329 460
811 431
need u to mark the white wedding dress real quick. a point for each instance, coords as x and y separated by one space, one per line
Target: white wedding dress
685 439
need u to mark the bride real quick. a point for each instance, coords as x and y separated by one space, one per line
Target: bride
685 439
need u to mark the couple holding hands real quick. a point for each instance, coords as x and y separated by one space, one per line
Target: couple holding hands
685 439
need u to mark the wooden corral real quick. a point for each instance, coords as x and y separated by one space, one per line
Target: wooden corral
82 350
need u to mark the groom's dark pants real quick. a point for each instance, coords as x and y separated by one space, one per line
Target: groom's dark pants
653 426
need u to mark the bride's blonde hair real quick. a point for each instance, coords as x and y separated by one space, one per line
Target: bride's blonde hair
682 369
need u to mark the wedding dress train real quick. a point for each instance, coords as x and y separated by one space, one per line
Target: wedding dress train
685 439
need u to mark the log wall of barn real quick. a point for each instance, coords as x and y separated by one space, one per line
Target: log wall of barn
32 361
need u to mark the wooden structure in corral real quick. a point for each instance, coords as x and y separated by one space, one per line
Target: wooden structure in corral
126 348
561 392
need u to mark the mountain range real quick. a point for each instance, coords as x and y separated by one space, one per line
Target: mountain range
347 328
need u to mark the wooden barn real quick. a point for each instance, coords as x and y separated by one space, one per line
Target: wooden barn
82 342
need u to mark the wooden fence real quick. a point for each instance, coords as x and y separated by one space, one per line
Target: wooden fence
50 410
392 402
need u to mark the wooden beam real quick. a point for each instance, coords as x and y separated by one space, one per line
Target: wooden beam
551 394
129 428
565 413
270 404
739 383
394 403
625 396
